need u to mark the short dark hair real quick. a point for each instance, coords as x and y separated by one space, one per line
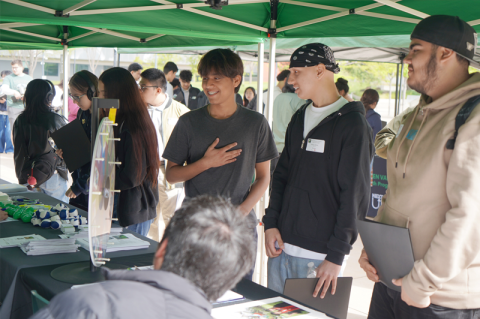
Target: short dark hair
17 62
210 243
175 82
283 75
288 88
6 72
170 66
186 76
223 61
369 97
134 67
156 77
342 84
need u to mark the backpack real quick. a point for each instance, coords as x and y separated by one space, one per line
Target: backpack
462 117
41 167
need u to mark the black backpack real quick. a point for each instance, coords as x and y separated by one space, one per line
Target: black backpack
41 167
462 117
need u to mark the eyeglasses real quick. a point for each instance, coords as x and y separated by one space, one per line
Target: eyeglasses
143 88
76 98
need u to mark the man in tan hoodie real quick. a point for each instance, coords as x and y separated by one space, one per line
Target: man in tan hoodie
433 190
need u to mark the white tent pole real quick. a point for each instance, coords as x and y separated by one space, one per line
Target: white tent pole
271 80
261 59
66 66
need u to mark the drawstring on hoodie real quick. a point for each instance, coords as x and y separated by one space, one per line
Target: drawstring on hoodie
404 137
413 143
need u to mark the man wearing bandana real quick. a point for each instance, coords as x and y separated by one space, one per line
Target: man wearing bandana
321 184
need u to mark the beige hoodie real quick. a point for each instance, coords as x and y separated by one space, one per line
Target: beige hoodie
435 192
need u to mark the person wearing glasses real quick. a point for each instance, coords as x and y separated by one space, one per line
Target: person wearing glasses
164 112
83 87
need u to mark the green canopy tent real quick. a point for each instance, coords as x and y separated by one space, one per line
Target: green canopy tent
143 23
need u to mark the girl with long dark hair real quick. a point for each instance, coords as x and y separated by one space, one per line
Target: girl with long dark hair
248 95
31 132
137 175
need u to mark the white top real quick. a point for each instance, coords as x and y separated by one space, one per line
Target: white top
186 95
314 115
169 89
57 100
285 105
155 113
276 92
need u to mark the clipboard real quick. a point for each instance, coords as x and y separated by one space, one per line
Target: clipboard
74 143
389 250
336 305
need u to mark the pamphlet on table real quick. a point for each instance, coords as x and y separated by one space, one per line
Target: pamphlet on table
16 241
118 242
273 308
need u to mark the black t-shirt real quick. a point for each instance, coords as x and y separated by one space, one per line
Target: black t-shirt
197 130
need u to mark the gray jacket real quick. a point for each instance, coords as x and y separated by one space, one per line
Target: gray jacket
131 294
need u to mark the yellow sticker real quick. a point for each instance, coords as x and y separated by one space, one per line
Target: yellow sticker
112 115
83 121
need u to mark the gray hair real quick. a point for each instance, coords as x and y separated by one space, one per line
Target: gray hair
211 244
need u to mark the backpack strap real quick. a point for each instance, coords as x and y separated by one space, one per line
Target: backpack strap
462 117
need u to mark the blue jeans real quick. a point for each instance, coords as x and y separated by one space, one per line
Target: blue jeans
285 266
5 139
55 187
141 228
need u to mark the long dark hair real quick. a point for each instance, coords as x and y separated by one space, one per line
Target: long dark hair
35 100
245 101
119 84
369 98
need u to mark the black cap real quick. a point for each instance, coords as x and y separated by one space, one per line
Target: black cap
313 54
449 32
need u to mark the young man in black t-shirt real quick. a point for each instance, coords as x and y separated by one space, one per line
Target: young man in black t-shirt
224 144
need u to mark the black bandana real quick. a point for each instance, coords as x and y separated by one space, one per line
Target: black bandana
313 54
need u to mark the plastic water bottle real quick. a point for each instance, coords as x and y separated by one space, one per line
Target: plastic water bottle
312 273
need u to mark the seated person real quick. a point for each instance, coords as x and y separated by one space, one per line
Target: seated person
206 249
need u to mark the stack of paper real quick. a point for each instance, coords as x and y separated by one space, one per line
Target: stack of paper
16 241
9 219
50 246
118 243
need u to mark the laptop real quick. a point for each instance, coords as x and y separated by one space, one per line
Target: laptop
389 250
301 290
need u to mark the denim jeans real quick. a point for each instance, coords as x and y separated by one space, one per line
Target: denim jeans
388 304
55 187
5 139
285 266
141 228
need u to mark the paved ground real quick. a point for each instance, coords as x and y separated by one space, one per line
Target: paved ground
362 287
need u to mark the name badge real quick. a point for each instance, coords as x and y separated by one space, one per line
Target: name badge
317 146
194 97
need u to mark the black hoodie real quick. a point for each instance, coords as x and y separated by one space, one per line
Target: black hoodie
316 197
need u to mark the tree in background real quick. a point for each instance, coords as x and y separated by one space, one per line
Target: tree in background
93 55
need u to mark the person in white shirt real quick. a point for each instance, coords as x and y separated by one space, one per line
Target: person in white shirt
165 113
170 70
321 184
